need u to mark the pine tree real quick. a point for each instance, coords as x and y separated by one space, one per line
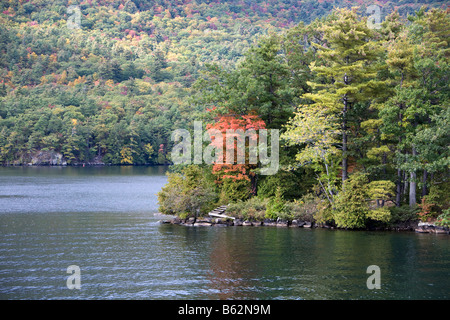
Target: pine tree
348 77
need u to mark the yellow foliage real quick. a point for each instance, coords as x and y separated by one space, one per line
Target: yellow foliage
126 155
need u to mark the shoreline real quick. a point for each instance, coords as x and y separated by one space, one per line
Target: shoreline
417 226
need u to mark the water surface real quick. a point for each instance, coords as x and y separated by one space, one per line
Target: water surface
105 221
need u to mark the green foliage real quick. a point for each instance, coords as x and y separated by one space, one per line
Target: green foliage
189 194
276 206
350 207
233 190
353 209
436 202
444 219
402 214
251 209
293 184
307 208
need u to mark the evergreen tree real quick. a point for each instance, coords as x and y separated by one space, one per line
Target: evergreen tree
348 73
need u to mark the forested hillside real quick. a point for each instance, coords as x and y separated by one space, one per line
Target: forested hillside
112 89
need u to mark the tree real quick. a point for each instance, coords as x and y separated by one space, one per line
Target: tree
236 163
187 194
316 131
348 76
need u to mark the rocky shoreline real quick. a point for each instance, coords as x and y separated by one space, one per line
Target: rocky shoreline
419 227
425 227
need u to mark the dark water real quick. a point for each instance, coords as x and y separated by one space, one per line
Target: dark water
103 220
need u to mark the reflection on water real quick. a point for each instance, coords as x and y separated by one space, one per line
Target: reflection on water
102 219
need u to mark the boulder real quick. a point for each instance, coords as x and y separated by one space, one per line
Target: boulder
256 223
202 224
307 225
282 223
246 223
220 225
189 222
440 230
238 222
422 229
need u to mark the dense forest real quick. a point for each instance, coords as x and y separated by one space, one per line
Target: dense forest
363 111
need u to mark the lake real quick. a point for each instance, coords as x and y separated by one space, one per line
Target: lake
104 220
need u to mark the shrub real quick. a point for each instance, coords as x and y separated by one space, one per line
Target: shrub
292 185
436 202
187 194
234 190
276 206
444 219
352 205
251 209
402 214
304 209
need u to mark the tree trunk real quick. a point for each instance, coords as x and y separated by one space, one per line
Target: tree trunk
405 183
398 196
344 136
344 156
413 184
254 184
424 183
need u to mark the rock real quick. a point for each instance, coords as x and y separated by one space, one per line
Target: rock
51 158
294 223
238 222
307 225
282 223
246 223
422 229
220 225
301 223
202 224
176 221
217 220
189 222
256 223
270 223
164 221
440 230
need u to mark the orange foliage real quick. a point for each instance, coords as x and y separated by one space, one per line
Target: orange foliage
234 170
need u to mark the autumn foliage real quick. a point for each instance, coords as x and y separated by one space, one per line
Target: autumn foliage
229 124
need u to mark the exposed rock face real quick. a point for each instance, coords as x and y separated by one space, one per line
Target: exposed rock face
48 158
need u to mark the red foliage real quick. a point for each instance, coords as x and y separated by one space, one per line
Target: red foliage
232 169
